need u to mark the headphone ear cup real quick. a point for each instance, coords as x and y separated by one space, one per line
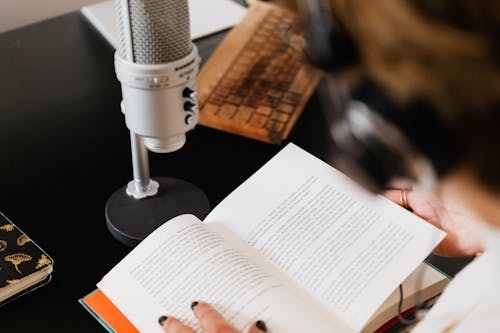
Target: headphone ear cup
329 46
371 146
364 158
317 33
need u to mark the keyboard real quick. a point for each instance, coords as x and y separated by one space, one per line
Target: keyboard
256 84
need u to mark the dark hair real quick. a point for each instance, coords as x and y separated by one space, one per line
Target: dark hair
446 52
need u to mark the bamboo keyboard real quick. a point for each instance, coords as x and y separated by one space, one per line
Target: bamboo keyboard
255 84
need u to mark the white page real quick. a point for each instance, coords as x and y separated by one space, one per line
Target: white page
351 251
421 285
183 261
205 17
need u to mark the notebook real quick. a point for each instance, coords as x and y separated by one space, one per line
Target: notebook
206 17
256 83
24 266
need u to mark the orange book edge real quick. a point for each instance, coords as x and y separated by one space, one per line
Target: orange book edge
102 309
107 313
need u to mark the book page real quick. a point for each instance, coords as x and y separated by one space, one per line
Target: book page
420 286
183 261
348 248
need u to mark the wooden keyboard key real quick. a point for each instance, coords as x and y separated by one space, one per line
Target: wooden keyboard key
271 71
271 101
281 49
221 91
225 83
300 83
280 116
227 111
234 100
260 65
286 108
263 86
283 57
252 102
291 98
243 114
275 126
258 92
286 77
275 93
259 40
271 48
210 108
280 86
258 120
268 26
273 19
265 110
216 99
241 92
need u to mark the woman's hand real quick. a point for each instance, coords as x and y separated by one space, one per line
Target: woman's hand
210 321
464 237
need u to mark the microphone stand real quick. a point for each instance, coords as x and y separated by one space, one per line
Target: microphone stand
135 210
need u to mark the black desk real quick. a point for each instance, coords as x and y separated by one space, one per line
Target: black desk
65 149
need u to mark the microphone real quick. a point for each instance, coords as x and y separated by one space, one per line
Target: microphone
157 63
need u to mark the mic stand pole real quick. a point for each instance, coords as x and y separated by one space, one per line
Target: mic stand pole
135 210
142 186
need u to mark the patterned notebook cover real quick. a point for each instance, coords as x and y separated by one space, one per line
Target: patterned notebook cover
20 258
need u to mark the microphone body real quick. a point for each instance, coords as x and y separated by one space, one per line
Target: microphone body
157 64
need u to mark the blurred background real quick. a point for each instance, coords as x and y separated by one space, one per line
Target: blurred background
17 13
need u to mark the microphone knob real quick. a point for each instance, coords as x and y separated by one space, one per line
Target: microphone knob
188 106
189 119
189 93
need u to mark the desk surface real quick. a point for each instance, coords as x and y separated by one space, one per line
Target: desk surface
65 149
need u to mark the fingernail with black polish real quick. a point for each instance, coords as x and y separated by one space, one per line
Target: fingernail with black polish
193 305
162 319
261 325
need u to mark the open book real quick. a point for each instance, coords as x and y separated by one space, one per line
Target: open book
297 245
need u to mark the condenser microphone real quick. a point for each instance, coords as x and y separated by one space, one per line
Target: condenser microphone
157 63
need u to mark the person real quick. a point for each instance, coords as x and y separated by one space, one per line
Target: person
446 52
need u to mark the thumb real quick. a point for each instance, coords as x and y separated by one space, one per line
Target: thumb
258 327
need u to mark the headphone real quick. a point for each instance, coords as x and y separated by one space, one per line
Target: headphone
374 139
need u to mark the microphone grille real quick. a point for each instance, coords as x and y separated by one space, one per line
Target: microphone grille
160 31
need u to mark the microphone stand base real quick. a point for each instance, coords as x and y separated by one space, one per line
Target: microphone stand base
130 220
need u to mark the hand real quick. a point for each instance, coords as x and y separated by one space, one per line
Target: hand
210 320
464 237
